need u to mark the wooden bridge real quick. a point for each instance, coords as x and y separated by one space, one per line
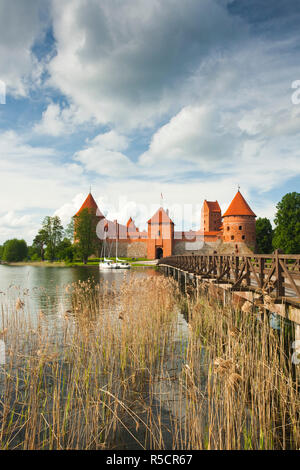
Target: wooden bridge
252 277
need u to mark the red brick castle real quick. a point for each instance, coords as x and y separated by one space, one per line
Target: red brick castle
233 232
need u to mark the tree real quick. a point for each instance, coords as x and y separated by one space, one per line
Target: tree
39 243
287 221
14 250
86 239
264 235
53 231
65 250
69 230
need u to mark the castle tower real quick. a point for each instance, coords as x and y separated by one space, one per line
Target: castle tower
239 222
90 204
160 235
132 230
211 218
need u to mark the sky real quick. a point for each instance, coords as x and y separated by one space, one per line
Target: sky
137 98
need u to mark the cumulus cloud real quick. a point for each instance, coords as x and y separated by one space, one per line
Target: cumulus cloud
34 181
58 121
15 225
69 209
193 139
102 156
128 60
20 27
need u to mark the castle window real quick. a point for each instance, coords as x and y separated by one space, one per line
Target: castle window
243 237
232 237
158 233
228 228
240 227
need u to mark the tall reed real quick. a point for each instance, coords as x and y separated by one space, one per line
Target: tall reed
122 369
251 395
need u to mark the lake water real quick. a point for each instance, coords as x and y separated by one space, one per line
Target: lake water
44 288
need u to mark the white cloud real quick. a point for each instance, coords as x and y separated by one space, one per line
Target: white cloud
34 182
102 156
11 219
194 139
57 121
20 27
130 62
111 141
67 210
13 225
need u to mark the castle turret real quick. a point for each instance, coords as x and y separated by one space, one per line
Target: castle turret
90 204
160 235
239 222
211 218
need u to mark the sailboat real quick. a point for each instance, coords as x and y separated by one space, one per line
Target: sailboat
109 264
120 264
106 263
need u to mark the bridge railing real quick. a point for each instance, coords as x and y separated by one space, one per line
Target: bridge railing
276 274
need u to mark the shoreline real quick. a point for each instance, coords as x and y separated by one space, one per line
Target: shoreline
62 264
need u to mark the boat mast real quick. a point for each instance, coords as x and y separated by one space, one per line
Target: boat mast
117 236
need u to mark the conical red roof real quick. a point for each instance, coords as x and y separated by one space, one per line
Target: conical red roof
90 203
239 206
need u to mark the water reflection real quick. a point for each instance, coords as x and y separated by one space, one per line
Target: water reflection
44 288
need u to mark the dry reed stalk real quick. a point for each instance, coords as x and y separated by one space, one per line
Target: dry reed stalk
101 375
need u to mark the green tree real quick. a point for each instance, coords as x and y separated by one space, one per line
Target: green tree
14 250
69 230
53 235
86 240
1 251
39 244
287 221
264 235
65 250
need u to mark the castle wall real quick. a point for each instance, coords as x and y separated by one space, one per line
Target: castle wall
198 247
182 247
127 248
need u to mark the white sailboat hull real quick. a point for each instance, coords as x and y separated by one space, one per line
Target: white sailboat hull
123 266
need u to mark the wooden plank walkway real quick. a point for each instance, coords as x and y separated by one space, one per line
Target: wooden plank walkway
275 275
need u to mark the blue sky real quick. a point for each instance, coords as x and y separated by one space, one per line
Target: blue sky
142 97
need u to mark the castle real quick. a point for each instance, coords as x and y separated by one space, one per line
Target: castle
230 233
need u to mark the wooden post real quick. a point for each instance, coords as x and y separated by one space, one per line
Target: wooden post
248 281
280 290
236 270
261 271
